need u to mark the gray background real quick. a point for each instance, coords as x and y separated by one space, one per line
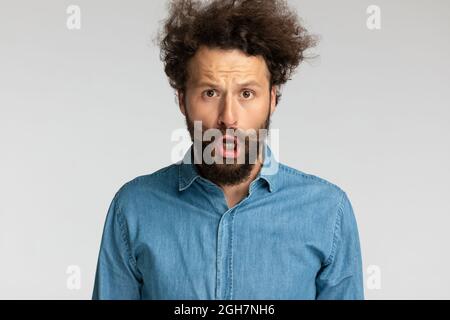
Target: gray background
84 111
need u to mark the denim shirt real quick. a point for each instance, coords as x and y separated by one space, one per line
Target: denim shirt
171 235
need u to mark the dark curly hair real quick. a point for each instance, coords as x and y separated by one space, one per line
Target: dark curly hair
257 27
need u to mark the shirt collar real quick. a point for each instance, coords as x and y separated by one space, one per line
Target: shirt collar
188 172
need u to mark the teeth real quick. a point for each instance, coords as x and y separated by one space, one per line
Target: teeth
229 146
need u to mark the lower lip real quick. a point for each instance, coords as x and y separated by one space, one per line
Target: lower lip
226 153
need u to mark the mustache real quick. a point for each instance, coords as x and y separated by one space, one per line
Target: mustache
198 131
241 135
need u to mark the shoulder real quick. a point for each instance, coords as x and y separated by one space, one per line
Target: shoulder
145 187
308 183
327 199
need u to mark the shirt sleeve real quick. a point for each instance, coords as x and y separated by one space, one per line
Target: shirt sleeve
341 276
116 275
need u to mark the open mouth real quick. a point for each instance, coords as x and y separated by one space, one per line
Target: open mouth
228 147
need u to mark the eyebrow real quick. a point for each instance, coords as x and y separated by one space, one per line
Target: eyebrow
243 84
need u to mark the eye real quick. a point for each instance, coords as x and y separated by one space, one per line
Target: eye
209 93
247 94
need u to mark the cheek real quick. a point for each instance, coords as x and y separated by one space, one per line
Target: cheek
200 111
255 115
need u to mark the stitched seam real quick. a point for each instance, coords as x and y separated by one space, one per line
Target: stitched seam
336 282
185 182
231 255
295 172
139 178
337 225
124 236
219 261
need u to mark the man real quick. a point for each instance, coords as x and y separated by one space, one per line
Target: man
214 227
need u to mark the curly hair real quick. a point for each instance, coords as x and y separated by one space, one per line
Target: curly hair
268 28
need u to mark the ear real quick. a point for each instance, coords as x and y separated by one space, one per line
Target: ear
181 101
273 101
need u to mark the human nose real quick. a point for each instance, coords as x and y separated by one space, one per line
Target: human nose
228 114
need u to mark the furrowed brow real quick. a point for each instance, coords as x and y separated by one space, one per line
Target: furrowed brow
215 85
250 84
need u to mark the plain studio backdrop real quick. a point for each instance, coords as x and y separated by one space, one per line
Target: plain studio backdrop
83 111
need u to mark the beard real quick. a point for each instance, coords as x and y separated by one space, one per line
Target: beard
225 173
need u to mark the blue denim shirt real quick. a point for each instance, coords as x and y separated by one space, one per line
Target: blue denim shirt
171 235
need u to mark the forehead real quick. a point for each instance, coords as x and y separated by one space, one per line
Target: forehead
218 64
